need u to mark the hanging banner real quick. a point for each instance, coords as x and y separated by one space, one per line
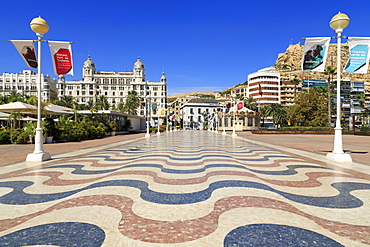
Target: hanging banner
240 105
154 106
315 53
358 61
61 53
27 51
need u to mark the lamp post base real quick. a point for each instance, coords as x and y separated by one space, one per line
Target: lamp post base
339 157
234 135
224 132
147 135
37 157
158 133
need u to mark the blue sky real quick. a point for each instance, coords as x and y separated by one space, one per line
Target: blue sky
203 46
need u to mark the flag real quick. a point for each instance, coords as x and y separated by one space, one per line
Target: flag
154 106
315 53
240 105
260 89
358 61
61 54
27 51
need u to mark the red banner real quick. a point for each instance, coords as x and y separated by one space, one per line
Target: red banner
27 51
63 61
240 105
62 57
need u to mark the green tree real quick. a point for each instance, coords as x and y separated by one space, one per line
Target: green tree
32 100
295 82
66 100
14 97
278 113
121 107
251 103
330 72
14 118
102 103
361 98
310 109
132 103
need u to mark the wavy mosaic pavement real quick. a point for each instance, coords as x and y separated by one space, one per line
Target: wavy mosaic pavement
185 188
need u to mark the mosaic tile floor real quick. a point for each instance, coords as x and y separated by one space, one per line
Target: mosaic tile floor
185 188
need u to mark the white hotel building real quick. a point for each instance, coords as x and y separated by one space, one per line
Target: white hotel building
25 83
115 87
269 81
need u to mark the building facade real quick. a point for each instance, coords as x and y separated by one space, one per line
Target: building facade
288 92
264 86
115 87
25 83
195 112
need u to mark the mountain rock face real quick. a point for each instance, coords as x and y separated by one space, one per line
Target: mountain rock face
289 63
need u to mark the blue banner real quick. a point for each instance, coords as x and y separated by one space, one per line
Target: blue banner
358 61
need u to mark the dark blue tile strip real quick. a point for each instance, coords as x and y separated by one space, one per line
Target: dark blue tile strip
276 235
57 234
342 200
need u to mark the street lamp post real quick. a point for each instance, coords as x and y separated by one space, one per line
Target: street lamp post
158 132
338 23
147 99
234 134
223 120
40 27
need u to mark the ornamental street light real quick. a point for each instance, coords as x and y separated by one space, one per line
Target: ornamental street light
339 22
223 120
40 27
147 99
234 102
158 132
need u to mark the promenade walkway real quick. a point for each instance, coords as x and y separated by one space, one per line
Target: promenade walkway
186 188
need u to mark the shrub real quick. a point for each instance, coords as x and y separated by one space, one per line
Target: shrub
364 128
307 128
4 136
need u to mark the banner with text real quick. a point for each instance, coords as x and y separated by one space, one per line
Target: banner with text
358 61
27 51
61 53
315 53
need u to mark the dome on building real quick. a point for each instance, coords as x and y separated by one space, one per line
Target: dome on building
138 63
89 63
163 77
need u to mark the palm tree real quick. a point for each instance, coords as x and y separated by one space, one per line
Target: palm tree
102 103
278 113
14 118
67 101
296 82
250 103
32 100
132 103
120 106
14 97
330 72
